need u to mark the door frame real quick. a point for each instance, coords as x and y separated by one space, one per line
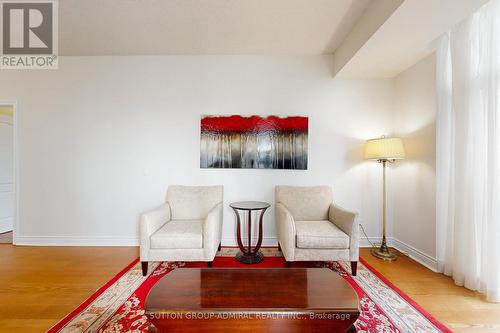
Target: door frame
15 117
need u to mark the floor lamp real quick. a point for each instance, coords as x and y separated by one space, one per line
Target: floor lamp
384 150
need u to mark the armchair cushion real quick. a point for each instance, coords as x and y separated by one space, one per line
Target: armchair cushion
193 202
320 235
305 203
179 234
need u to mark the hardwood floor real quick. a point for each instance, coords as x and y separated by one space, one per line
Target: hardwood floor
458 308
40 285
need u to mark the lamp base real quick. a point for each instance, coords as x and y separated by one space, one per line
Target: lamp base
384 253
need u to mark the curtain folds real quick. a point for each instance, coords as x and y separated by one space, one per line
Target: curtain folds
468 152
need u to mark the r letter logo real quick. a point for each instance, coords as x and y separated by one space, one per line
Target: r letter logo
29 39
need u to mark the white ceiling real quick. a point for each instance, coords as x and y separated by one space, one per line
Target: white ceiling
407 36
164 27
270 27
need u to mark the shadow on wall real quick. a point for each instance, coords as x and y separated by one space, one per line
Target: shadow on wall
420 145
354 155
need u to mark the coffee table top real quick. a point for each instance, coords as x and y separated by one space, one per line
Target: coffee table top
251 288
250 205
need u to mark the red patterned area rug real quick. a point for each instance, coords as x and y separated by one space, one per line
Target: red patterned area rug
118 306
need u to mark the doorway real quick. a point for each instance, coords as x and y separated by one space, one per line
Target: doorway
7 186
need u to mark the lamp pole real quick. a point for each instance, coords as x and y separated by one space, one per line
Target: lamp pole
383 252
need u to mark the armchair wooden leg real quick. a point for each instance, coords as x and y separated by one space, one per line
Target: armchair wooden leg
210 264
220 247
288 264
144 266
279 247
354 268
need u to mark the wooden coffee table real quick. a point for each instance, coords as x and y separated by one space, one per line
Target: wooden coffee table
252 300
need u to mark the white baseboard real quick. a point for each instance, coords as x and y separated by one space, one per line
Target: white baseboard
404 248
408 250
365 242
75 241
415 254
106 241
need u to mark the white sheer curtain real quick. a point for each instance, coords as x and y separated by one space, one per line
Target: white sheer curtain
468 152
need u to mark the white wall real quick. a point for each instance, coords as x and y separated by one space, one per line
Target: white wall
101 138
412 181
6 169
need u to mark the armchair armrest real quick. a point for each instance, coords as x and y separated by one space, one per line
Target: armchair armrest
286 231
212 231
150 222
348 222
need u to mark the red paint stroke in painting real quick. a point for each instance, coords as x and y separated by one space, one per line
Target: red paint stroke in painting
240 124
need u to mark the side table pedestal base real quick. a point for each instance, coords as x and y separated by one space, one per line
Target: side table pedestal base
254 258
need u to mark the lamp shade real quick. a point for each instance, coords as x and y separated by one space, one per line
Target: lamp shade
384 149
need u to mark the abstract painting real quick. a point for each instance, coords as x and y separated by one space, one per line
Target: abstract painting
254 142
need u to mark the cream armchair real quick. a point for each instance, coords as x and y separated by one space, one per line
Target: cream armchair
187 227
310 227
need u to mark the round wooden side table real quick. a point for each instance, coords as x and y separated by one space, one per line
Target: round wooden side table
249 254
